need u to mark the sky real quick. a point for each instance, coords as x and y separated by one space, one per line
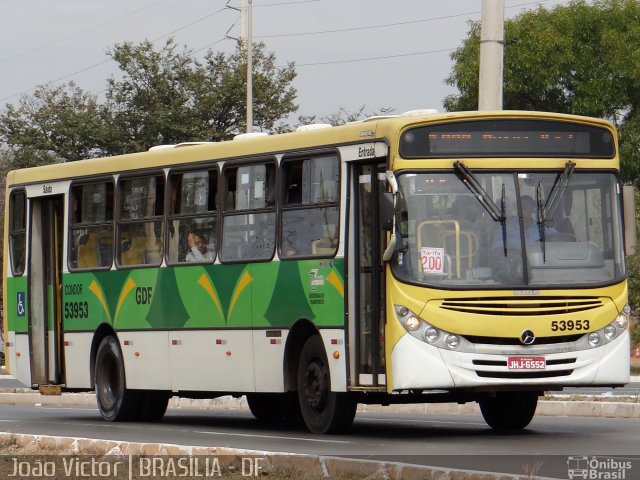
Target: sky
348 53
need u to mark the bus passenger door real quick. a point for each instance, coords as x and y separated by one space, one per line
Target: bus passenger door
366 278
45 277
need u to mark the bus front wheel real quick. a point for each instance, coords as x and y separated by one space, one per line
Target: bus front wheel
270 407
115 401
509 410
323 411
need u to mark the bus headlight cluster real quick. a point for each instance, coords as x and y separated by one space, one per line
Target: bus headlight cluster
426 332
611 331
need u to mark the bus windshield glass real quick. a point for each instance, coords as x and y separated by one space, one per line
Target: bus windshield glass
449 238
507 138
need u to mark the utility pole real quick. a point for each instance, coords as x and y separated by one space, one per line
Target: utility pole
246 33
491 55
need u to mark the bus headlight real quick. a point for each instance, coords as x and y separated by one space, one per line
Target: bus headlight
610 332
452 341
412 323
431 334
622 321
594 339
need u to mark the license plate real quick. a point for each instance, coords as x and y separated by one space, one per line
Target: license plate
526 363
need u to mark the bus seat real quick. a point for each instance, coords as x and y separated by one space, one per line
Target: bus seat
87 251
132 250
153 255
322 246
105 251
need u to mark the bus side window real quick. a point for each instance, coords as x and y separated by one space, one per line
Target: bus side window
250 216
310 214
17 231
91 225
193 217
140 221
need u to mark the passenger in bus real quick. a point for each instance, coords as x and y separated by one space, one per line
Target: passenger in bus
198 250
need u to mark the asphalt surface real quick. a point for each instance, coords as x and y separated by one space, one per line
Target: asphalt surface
448 441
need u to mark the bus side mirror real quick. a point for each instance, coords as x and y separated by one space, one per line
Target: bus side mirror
629 210
387 211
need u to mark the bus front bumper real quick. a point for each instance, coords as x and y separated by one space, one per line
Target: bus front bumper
417 365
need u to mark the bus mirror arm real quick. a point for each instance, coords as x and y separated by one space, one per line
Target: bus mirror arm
390 214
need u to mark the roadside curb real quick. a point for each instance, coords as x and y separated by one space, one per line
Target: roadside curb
325 466
565 408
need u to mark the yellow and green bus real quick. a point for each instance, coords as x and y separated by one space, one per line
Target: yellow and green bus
424 257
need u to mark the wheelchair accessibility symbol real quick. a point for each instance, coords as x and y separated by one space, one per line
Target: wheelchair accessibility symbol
20 308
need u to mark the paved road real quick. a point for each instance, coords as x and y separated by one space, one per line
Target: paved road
633 388
439 440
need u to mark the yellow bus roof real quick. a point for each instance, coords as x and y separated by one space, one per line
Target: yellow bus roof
367 130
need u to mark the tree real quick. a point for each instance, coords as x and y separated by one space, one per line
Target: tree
55 124
223 110
580 58
150 103
168 96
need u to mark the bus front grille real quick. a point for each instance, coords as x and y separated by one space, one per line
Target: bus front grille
525 306
516 341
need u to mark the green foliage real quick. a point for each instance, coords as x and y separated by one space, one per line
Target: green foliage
633 268
167 96
54 124
582 58
161 96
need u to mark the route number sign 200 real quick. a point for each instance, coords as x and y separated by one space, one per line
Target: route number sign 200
569 325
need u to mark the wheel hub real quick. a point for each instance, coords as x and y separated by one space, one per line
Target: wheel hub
316 387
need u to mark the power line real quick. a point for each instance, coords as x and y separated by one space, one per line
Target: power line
77 34
385 25
285 3
210 45
354 60
201 19
90 67
368 27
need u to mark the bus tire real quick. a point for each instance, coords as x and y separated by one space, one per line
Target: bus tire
115 402
509 410
323 411
274 406
266 406
154 406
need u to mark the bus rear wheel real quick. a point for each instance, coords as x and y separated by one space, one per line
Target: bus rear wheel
115 402
323 411
509 410
154 405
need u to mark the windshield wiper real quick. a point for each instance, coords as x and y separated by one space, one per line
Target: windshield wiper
498 214
541 219
483 197
557 192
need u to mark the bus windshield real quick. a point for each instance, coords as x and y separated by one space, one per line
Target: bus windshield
556 229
